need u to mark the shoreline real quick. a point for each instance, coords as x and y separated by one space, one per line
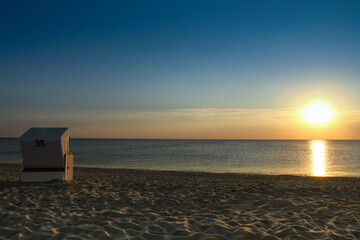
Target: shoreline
148 204
17 165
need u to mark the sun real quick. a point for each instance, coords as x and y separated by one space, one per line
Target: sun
318 113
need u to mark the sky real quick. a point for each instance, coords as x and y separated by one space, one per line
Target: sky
179 69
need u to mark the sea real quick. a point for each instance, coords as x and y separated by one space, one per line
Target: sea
289 157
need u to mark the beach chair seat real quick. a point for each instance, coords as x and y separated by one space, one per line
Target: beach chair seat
46 156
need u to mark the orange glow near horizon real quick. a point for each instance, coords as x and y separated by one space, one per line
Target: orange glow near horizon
200 123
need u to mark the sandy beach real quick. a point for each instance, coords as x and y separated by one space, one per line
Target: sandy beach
136 204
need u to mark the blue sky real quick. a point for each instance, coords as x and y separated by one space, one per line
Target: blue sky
69 62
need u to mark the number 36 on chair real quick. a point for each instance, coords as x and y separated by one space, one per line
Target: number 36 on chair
39 143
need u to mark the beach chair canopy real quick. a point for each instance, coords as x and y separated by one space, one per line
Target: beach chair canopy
44 147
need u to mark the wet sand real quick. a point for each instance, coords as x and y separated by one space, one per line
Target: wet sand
136 204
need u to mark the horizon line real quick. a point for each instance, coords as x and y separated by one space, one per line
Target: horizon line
220 139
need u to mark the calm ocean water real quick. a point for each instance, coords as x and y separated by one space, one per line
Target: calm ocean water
315 158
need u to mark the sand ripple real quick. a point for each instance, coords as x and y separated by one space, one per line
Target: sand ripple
133 204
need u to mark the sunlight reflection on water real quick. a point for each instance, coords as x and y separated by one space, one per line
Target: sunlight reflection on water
318 158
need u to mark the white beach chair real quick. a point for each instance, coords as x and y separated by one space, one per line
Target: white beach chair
45 153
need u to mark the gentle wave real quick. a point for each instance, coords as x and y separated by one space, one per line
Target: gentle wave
295 157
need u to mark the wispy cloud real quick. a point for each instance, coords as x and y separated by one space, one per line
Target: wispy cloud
209 114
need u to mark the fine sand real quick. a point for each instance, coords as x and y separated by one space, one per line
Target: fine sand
135 204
